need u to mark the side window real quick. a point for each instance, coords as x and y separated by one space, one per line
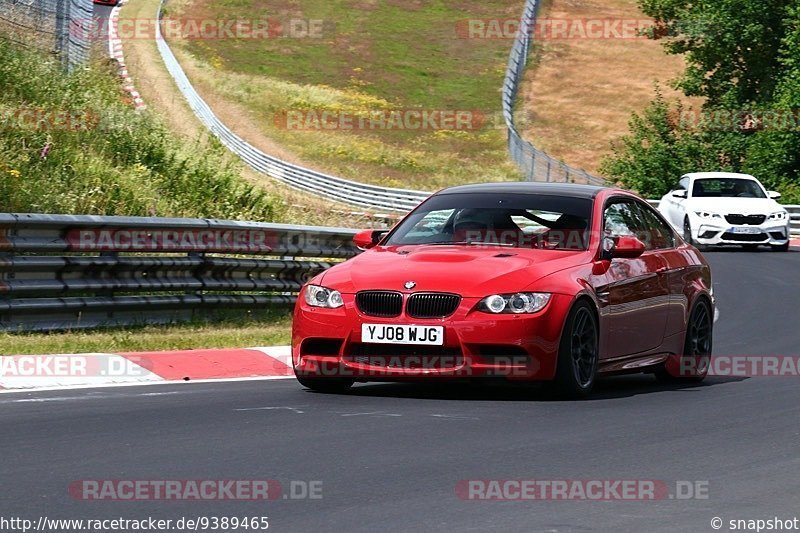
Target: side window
683 184
657 235
622 218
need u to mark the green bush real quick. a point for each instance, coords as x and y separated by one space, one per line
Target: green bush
657 152
115 161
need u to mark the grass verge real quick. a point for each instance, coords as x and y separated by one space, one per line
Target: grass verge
579 93
273 330
72 144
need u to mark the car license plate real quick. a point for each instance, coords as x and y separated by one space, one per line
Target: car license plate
391 334
746 231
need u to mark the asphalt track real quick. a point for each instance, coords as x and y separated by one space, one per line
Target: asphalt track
101 16
389 456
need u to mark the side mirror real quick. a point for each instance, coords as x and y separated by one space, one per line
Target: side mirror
680 193
773 195
625 247
364 240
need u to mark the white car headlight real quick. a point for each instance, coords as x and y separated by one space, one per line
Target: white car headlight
518 303
779 215
317 296
707 214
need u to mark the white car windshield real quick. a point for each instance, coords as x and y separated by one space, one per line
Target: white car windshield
726 188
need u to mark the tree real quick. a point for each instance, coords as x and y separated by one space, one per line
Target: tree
775 152
658 150
731 47
743 58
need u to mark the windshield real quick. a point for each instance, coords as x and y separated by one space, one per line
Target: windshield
498 219
727 187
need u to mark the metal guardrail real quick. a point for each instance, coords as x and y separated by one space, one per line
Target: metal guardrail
68 272
794 213
536 164
62 26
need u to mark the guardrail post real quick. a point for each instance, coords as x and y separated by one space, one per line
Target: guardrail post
532 173
198 272
62 38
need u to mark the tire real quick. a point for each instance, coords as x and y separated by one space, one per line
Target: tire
697 346
578 353
687 236
687 231
780 247
328 385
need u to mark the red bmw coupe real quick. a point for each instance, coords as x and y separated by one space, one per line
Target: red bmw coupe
524 281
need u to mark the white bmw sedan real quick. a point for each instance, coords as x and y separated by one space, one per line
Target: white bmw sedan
715 208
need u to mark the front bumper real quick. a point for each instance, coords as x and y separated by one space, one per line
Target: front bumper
328 343
719 232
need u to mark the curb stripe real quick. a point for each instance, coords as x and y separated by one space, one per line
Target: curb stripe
115 51
63 371
210 364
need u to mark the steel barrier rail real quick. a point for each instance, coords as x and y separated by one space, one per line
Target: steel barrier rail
794 213
67 272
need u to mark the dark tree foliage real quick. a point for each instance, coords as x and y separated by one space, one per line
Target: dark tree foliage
743 59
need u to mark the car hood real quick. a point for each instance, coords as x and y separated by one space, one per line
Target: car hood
467 270
743 206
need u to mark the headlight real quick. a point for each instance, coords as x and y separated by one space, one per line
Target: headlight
317 296
707 214
518 303
780 215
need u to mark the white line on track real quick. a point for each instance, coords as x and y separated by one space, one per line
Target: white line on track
293 409
142 384
54 399
373 413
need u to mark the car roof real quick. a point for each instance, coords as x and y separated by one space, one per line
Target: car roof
574 190
702 175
